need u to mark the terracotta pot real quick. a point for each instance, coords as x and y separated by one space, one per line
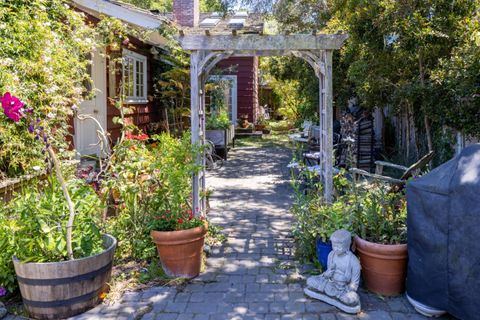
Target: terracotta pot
259 127
180 251
244 123
384 267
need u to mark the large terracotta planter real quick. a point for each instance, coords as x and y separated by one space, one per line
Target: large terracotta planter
58 290
180 251
384 267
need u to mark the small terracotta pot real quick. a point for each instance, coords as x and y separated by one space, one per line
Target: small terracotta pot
180 251
259 127
244 123
384 266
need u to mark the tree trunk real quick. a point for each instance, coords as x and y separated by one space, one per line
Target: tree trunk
426 121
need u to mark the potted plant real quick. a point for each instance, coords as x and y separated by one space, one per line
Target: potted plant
243 121
379 221
218 129
179 237
321 219
327 219
61 267
177 230
261 123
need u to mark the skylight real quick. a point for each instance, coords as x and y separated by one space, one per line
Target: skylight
209 22
236 23
241 14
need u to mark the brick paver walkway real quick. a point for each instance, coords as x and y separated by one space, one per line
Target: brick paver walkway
253 275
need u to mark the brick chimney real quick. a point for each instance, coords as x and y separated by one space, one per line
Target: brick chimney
186 12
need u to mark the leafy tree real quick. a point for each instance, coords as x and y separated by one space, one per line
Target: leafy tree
420 57
457 80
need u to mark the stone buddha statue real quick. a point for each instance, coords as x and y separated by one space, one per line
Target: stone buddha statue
338 285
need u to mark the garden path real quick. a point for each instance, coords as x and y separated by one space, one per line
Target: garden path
254 274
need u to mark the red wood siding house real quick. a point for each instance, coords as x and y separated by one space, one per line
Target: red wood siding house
246 70
108 77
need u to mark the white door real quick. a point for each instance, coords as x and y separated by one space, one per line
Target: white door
86 139
231 96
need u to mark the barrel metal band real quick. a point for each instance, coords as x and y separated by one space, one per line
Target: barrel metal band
62 303
59 281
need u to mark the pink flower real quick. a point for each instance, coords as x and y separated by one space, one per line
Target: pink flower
12 106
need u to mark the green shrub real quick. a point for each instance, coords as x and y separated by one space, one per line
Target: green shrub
315 219
218 121
371 212
33 226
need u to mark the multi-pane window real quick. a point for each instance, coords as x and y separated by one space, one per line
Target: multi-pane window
134 76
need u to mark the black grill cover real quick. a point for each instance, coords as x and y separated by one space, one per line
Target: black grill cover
444 236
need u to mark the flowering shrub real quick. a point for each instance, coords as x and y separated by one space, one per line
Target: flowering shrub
151 187
43 59
139 137
172 221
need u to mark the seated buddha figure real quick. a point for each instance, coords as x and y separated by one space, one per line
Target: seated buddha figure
338 285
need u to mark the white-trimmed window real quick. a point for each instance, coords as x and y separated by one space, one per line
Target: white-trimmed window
134 77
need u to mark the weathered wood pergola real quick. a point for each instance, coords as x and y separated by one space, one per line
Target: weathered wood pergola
207 50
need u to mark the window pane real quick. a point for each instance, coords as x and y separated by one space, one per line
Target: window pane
134 71
131 78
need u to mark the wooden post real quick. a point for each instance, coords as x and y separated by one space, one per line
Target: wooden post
195 124
202 114
328 147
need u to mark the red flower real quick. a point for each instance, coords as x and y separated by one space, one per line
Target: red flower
142 137
180 221
12 107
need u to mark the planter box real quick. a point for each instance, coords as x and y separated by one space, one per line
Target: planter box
58 290
221 138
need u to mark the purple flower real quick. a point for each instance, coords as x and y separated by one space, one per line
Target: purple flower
3 291
12 106
31 128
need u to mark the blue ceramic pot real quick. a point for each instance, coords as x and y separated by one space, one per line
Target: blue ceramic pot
323 249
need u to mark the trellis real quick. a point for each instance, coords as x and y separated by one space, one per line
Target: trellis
207 50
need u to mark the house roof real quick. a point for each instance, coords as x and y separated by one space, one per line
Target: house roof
214 23
134 16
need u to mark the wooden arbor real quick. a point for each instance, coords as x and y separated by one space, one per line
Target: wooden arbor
207 50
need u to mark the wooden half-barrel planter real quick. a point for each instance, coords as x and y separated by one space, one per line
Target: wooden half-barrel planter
57 290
